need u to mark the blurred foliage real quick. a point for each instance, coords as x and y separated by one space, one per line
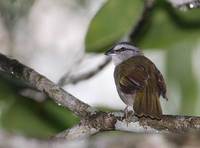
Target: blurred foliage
112 22
11 10
168 26
23 115
172 30
180 71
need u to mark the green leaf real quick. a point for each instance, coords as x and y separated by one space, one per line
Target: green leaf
112 22
168 26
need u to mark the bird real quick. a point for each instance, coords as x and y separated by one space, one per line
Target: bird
138 81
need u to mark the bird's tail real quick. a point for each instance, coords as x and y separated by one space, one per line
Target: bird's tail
147 103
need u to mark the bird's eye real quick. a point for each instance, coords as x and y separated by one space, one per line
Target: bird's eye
122 49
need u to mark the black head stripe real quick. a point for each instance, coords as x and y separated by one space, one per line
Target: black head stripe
124 46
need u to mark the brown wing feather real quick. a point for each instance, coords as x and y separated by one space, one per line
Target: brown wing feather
161 84
133 79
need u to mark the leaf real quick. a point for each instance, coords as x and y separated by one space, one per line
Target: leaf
111 23
168 26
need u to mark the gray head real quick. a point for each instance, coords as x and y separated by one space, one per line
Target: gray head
122 51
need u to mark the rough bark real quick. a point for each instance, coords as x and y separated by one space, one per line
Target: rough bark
92 120
14 69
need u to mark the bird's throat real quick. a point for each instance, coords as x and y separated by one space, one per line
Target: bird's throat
117 59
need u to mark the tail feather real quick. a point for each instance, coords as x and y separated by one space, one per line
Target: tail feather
147 103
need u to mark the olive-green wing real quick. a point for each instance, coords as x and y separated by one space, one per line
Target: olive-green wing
131 77
136 76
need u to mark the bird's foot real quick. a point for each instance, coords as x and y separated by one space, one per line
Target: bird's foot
128 113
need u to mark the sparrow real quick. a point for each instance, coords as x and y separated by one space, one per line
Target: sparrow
138 82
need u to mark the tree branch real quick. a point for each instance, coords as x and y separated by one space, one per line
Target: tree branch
11 140
114 121
19 71
136 30
105 140
95 121
168 123
77 132
66 79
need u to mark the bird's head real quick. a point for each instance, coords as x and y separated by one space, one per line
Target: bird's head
122 51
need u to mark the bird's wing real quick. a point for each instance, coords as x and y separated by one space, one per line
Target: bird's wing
132 79
137 77
161 84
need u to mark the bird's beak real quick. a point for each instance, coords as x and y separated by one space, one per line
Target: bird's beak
110 51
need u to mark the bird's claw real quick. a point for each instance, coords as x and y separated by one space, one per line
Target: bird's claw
128 115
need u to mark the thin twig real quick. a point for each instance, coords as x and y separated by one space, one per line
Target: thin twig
67 79
149 4
21 72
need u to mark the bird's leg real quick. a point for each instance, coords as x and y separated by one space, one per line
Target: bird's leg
128 113
125 112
